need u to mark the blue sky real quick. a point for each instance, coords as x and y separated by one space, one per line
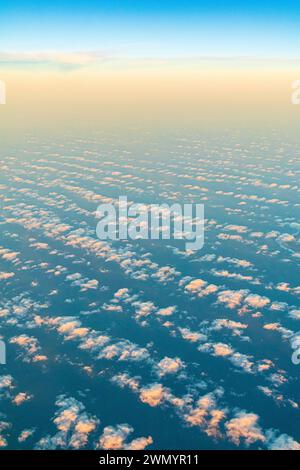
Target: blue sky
154 29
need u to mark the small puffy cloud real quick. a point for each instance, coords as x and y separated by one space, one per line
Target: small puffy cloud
124 380
124 351
4 426
206 414
236 228
167 311
40 246
30 348
6 382
278 379
169 365
112 308
191 336
140 443
85 284
153 394
122 293
200 288
197 416
3 441
235 326
221 349
231 275
243 361
295 314
277 327
165 274
25 434
244 428
90 284
74 426
256 301
283 286
242 263
93 342
231 298
114 438
196 285
281 442
286 238
21 398
216 349
9 255
143 309
4 276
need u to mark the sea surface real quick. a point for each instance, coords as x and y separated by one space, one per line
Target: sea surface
137 344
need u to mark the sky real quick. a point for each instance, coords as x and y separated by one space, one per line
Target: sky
147 29
138 61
